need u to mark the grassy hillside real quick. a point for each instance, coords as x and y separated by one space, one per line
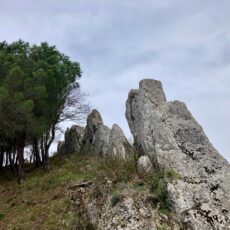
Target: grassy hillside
41 202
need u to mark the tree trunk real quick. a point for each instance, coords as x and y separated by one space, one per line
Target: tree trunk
47 160
12 165
1 159
48 141
42 150
7 160
36 152
20 151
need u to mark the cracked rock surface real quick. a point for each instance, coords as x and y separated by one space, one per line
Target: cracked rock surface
118 144
168 134
94 121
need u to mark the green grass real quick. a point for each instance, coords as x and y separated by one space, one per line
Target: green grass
115 199
41 202
157 183
1 216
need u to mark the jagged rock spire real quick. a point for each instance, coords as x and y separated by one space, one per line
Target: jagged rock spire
167 133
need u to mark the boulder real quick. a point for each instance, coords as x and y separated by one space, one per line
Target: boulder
94 120
144 165
168 134
74 139
118 144
100 140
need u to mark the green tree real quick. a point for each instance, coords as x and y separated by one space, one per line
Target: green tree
36 84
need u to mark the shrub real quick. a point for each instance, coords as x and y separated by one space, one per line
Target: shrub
115 199
96 192
158 185
1 216
89 226
118 169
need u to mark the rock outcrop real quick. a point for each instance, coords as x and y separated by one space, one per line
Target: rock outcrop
133 210
73 142
74 139
94 121
168 134
144 165
118 145
100 140
96 137
103 141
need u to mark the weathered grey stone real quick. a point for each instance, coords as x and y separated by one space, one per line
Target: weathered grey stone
74 139
118 144
144 165
100 140
94 120
168 134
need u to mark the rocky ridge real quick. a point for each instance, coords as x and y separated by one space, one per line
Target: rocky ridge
97 137
166 137
170 137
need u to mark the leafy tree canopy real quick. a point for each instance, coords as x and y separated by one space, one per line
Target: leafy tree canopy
35 86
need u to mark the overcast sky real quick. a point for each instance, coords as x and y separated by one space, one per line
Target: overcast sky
184 44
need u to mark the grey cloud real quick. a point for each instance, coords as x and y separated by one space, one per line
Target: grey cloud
185 44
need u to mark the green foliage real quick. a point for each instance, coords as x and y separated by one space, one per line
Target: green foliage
1 216
35 82
118 169
158 186
96 193
37 79
89 226
161 227
115 199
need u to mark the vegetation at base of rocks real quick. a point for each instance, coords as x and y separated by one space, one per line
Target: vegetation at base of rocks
89 226
96 192
118 169
161 227
1 216
157 183
115 199
41 202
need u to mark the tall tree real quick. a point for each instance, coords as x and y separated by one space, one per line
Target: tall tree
36 83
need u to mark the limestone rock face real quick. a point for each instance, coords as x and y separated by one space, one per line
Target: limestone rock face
168 134
144 165
94 120
100 140
118 144
133 211
74 139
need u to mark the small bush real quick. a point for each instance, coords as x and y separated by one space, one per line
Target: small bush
89 226
1 216
118 169
96 193
161 227
115 199
158 186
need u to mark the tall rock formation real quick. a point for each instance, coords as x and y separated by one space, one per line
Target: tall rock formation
94 120
74 139
167 133
118 145
100 141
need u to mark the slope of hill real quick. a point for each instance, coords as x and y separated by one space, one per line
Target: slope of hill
51 201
